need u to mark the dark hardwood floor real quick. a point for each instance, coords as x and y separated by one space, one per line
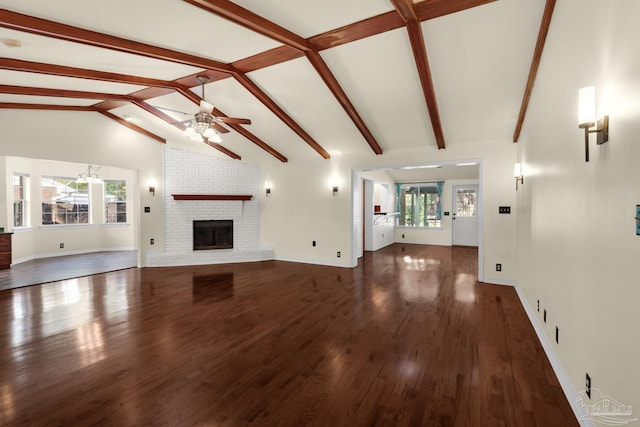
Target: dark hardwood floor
408 338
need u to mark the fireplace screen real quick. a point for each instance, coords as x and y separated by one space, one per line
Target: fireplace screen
212 234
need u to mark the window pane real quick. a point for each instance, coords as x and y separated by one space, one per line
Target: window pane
419 205
18 200
466 202
64 201
115 193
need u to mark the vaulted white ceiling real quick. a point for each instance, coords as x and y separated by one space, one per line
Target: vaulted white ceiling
478 57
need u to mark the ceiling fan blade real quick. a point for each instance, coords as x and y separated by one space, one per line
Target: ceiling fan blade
183 122
234 120
173 111
220 129
206 107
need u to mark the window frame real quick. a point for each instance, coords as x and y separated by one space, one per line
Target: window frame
23 201
421 206
123 192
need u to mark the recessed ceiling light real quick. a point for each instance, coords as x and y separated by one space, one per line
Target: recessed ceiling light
11 42
422 167
466 164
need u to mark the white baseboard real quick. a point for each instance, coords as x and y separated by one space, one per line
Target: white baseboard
566 384
499 282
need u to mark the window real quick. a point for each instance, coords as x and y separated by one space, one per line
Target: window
64 201
115 202
419 204
466 202
19 200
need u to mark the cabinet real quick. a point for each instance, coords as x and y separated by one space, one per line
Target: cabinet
5 251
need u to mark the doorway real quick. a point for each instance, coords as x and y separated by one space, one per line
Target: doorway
464 224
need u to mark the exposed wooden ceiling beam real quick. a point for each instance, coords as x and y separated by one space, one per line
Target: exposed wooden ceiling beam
275 108
49 107
158 113
260 143
257 23
266 59
36 67
131 126
242 131
246 18
82 73
167 118
29 106
222 149
535 63
43 27
356 31
406 10
332 83
61 93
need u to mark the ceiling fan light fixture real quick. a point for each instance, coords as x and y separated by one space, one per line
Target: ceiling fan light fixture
197 137
215 137
208 133
189 131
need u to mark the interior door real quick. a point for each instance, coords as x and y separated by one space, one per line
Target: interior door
464 224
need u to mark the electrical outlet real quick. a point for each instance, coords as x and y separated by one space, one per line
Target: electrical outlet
152 241
544 315
498 267
403 236
147 209
313 243
339 254
61 245
504 209
557 335
587 386
538 306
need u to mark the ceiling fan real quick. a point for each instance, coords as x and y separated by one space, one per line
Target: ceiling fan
204 126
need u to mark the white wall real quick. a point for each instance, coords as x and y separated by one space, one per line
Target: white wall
97 140
37 241
497 187
578 252
194 173
301 207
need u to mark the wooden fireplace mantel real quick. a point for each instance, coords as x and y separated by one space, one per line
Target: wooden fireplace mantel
212 197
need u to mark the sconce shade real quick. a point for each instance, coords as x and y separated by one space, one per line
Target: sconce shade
517 170
587 107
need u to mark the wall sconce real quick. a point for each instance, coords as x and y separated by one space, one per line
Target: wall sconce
152 187
587 118
267 188
335 189
517 173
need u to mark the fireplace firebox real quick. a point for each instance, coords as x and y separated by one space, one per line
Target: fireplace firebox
212 234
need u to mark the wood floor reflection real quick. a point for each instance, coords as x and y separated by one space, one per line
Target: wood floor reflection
408 338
